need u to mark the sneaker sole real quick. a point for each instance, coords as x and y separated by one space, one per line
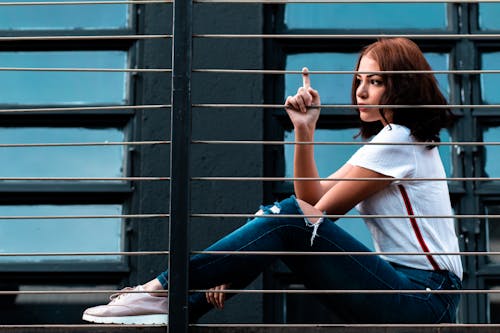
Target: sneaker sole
157 319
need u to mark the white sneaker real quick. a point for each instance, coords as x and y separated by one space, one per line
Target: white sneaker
130 308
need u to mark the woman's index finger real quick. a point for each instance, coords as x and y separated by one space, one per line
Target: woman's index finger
306 81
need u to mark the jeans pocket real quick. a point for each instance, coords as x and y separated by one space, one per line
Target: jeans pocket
446 304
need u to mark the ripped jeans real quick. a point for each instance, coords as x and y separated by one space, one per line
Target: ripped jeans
325 272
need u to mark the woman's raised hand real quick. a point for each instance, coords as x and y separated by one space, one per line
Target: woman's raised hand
300 108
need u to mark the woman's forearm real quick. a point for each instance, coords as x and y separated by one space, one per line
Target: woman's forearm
304 166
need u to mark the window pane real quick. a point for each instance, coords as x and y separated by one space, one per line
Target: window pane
445 152
490 82
366 16
488 16
492 162
336 88
328 158
84 161
55 17
76 88
80 235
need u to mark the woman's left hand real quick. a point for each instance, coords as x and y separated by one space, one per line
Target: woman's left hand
215 298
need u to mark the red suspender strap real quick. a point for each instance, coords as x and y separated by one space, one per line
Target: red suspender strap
416 229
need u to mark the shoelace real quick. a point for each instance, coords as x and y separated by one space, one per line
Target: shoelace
115 297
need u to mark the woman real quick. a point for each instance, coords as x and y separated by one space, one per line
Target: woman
378 192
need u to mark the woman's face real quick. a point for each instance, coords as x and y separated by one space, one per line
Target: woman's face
371 88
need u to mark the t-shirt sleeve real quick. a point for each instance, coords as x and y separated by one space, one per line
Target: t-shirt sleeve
396 161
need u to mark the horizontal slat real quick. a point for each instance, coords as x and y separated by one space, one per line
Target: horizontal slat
343 143
247 253
84 108
95 37
291 72
67 69
333 216
347 106
59 217
343 328
491 36
79 3
259 328
343 1
281 179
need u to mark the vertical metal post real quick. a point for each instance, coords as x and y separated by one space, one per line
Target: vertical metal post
179 165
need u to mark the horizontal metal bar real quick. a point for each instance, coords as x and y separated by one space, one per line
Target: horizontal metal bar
63 254
86 108
84 178
338 216
346 253
348 106
113 70
243 142
348 36
297 72
257 291
342 1
65 3
145 2
82 144
344 143
281 179
82 291
96 37
62 217
245 71
247 253
368 326
221 215
65 328
346 291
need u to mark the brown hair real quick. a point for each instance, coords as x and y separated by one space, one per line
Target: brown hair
400 54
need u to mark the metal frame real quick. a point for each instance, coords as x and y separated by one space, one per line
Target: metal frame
180 166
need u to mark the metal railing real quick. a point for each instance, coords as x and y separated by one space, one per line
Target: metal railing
181 141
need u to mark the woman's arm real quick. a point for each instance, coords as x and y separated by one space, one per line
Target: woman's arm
345 194
304 120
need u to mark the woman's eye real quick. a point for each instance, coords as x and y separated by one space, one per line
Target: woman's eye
377 82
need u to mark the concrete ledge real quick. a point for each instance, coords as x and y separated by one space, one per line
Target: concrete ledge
447 328
246 328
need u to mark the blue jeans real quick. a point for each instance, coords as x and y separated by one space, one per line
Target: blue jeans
326 272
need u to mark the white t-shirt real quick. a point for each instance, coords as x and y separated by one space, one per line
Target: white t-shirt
419 198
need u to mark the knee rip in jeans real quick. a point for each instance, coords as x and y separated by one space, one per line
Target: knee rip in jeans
276 209
308 222
315 227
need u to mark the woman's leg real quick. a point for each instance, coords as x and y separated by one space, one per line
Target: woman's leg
362 272
277 233
329 272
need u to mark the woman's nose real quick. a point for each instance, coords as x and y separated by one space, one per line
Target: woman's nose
361 91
